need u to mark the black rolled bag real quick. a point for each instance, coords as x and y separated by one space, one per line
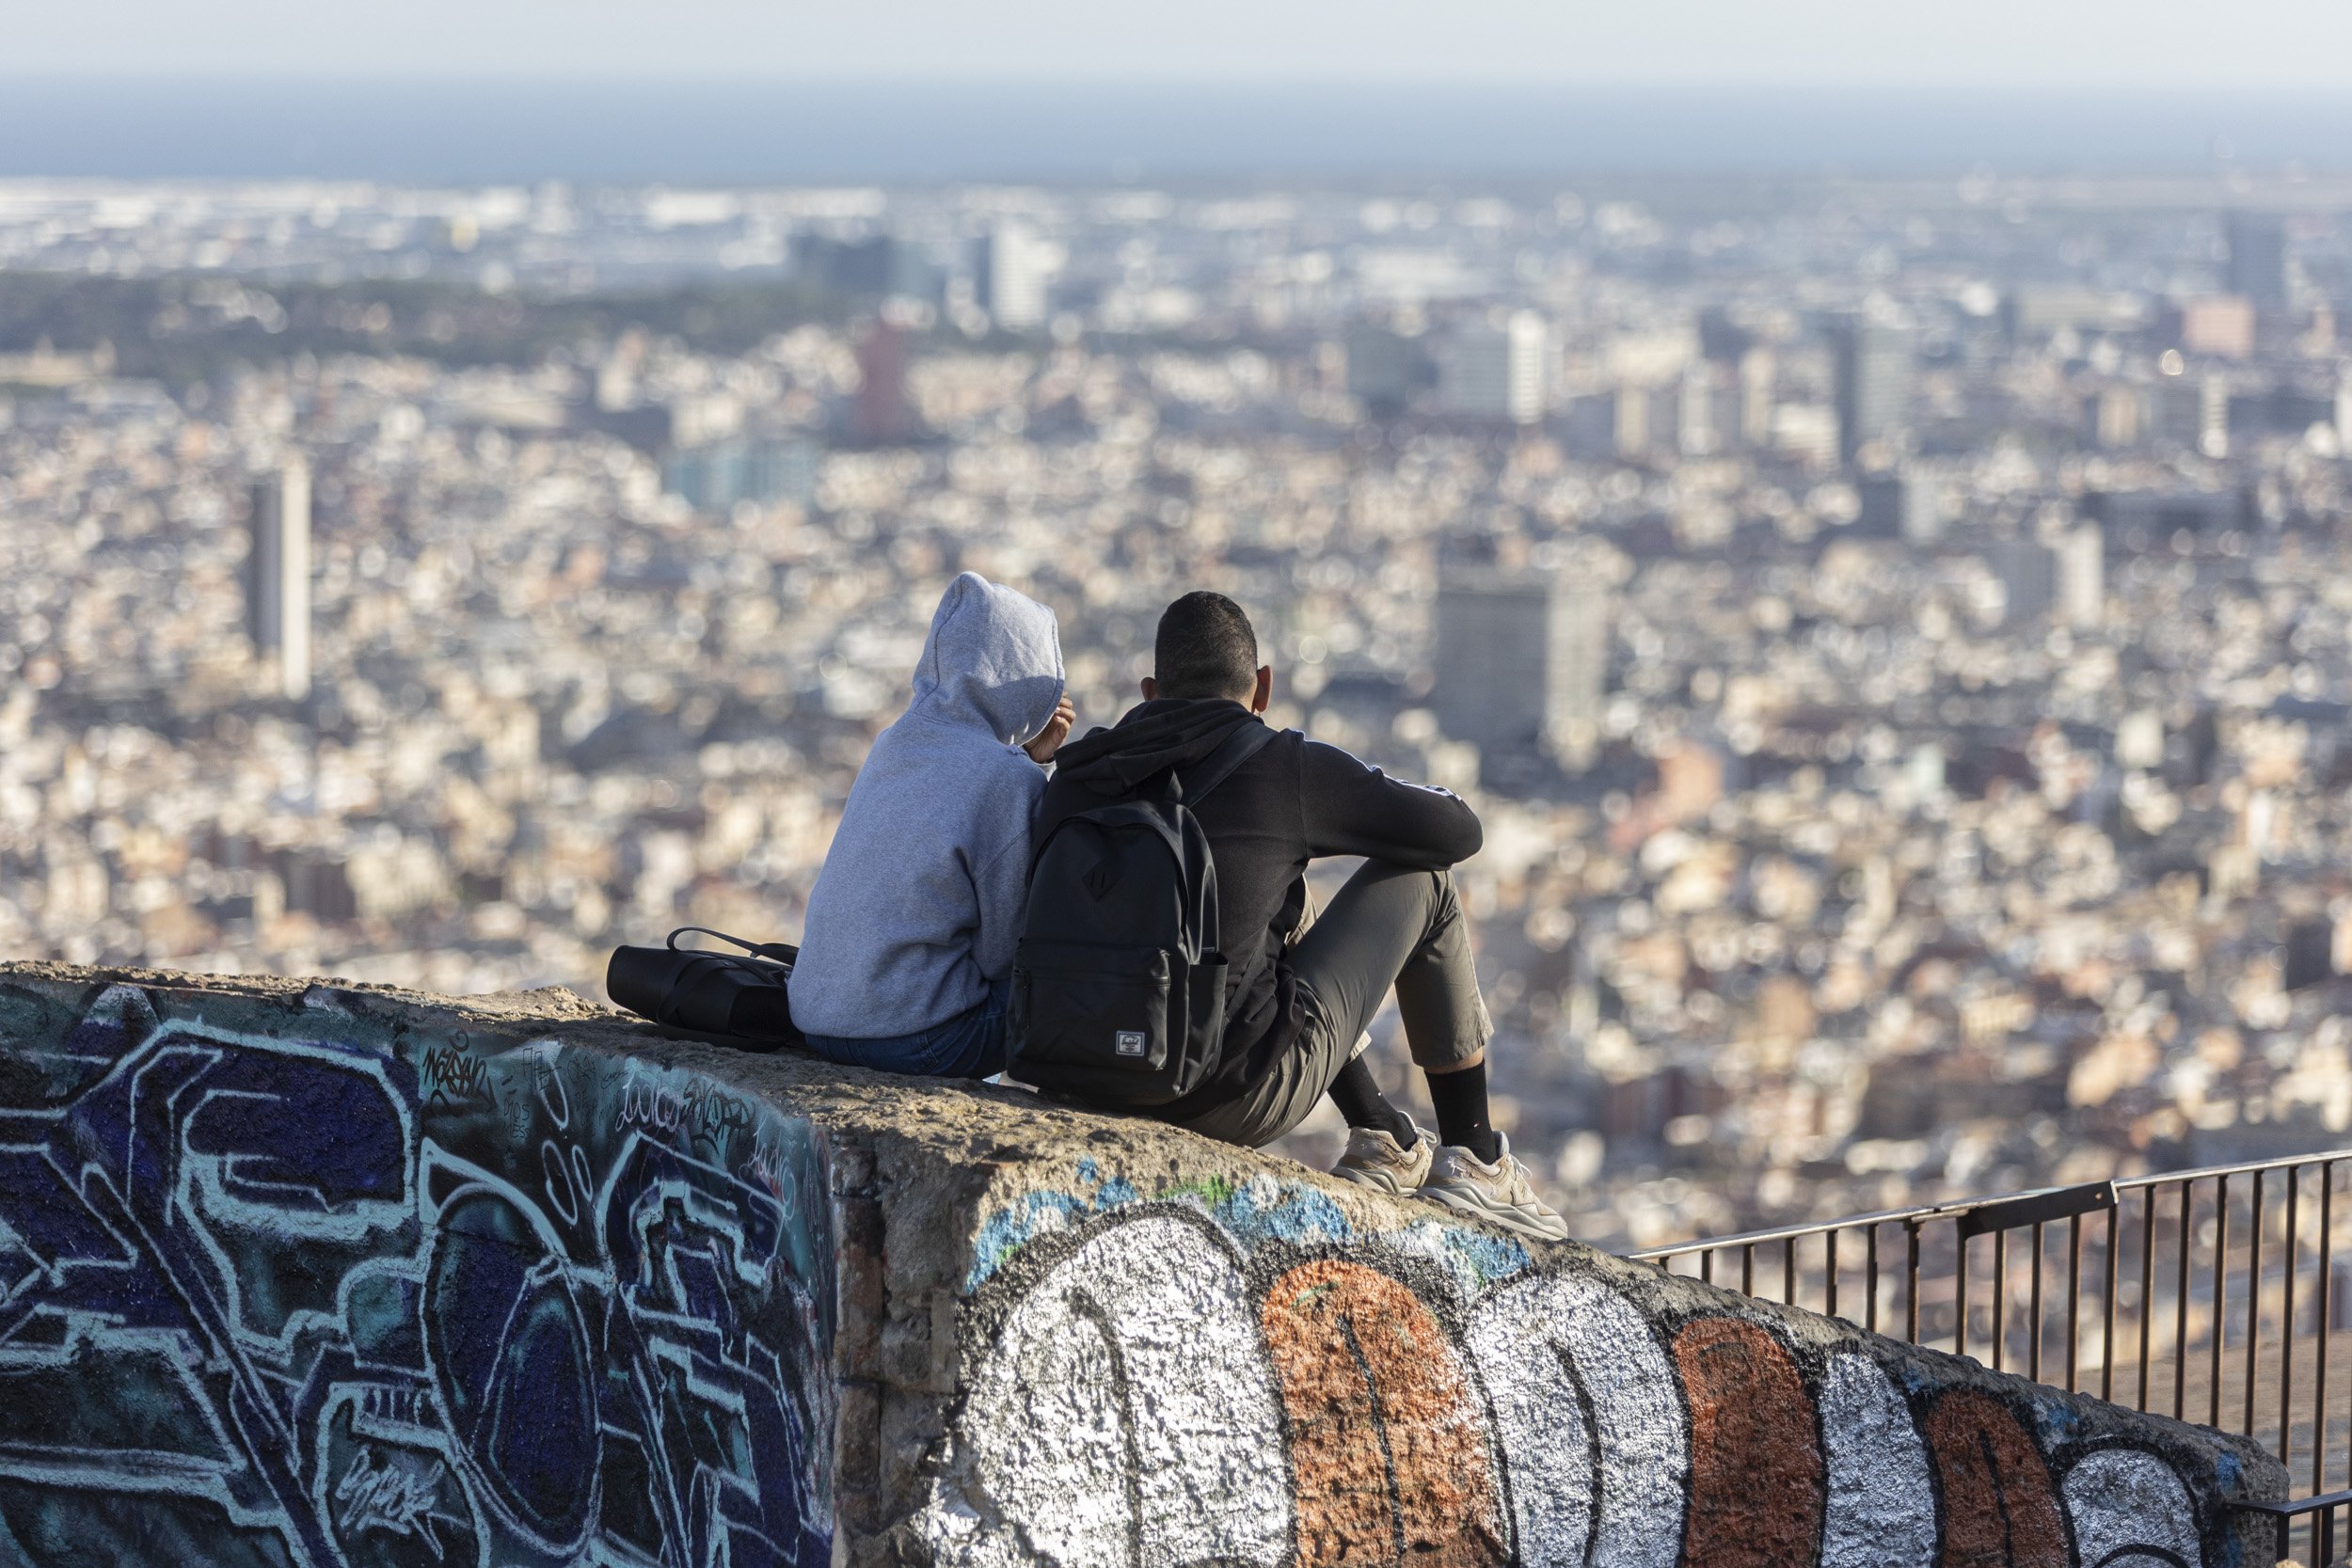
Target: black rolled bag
735 999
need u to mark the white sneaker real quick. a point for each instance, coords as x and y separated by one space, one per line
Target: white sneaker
1500 1193
1374 1159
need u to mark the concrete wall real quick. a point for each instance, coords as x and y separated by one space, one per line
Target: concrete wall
297 1275
285 1279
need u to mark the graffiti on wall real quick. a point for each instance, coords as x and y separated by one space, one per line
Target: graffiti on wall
315 1289
1236 1377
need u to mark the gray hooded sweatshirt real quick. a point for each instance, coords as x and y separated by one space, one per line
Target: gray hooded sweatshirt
919 906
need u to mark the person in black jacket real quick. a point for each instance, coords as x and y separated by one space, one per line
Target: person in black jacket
1302 992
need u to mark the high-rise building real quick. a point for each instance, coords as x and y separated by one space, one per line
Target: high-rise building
1386 370
1522 660
2082 584
1907 505
1014 266
1873 384
1758 370
2117 417
2028 571
1697 432
2257 259
278 574
1925 506
883 413
1497 373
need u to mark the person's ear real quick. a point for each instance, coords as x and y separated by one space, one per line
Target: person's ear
1151 689
1261 697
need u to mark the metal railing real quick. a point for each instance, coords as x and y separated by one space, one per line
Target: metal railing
2212 1295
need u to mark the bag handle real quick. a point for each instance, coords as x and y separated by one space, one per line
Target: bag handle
760 953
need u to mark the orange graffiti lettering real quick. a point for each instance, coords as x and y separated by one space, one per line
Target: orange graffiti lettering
1757 1475
1999 1508
1388 1451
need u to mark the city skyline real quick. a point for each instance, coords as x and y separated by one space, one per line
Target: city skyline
1951 801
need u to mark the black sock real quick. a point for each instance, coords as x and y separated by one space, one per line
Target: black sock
1459 1099
1361 1102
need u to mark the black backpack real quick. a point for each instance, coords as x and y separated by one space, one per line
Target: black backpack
1118 983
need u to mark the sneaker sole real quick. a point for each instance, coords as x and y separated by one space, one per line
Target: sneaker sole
1510 1217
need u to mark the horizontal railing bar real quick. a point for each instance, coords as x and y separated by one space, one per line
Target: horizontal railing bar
2204 1173
1746 1238
2294 1508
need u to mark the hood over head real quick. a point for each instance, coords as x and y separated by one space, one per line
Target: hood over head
993 660
1166 732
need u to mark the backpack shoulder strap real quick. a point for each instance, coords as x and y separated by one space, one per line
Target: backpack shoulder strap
1219 765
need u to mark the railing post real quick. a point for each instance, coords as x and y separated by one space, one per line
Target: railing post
2286 1325
2033 1344
2073 1295
2105 1344
2180 1314
2000 1300
2147 1284
1871 1260
2221 1294
2324 1309
1959 1296
2254 1300
1829 1251
1910 1282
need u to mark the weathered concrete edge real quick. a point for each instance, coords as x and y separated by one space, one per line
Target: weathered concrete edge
919 1254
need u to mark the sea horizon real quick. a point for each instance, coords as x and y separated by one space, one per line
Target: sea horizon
747 130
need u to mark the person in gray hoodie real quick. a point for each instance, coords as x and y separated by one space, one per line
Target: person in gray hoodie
908 951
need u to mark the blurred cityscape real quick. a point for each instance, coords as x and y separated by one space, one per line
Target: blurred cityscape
1893 631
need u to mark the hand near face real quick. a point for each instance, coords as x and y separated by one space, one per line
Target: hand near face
1048 740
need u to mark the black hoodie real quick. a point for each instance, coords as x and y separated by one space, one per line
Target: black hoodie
1292 801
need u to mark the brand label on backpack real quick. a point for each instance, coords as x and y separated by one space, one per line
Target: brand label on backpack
1129 1042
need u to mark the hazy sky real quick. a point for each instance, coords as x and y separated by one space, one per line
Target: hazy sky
2093 44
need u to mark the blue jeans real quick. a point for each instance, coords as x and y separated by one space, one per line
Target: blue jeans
969 1045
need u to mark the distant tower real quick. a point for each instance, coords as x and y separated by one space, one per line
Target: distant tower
1522 660
1013 277
278 574
2082 593
2257 259
1873 383
1497 374
1758 371
881 414
2028 571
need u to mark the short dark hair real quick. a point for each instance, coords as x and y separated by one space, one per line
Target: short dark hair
1205 648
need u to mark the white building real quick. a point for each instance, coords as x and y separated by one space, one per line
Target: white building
2082 585
1497 373
1014 268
